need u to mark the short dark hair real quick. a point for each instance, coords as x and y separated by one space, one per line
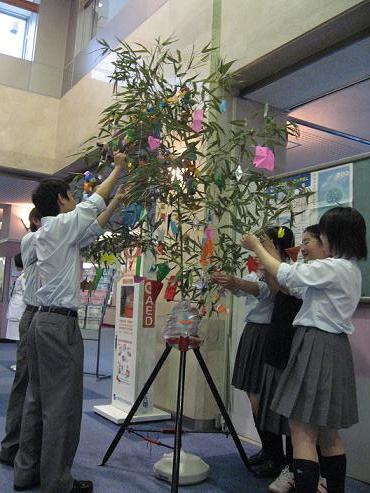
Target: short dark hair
283 238
45 197
345 229
314 230
34 215
18 261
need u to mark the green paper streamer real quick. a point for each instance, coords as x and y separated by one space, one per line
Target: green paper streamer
162 271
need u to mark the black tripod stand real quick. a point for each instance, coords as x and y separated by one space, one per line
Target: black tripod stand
183 344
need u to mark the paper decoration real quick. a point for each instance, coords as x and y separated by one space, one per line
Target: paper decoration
264 158
132 214
162 271
153 142
223 106
170 293
207 247
281 232
98 275
293 253
251 264
108 258
197 124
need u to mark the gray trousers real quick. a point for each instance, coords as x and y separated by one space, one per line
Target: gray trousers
10 443
53 409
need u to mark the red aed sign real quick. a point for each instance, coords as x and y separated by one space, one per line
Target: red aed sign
148 305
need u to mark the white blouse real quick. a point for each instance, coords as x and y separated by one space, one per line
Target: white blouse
333 290
259 308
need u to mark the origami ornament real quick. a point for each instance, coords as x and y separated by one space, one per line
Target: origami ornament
153 142
160 249
98 275
281 232
207 247
223 106
108 258
170 292
131 214
197 124
293 253
162 271
251 264
264 158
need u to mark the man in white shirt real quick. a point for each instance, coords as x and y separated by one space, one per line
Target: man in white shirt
10 443
52 415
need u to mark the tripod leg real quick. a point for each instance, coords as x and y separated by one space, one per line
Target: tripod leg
178 425
222 408
136 404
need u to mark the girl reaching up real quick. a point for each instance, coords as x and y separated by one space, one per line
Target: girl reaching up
317 389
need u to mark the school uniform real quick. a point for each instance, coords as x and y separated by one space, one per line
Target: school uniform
318 384
276 355
10 443
248 367
53 410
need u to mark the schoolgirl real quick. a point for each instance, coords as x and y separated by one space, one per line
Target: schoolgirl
277 350
249 360
317 389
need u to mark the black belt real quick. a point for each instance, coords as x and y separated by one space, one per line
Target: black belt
60 310
31 308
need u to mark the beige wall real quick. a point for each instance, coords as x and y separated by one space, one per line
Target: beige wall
264 25
28 124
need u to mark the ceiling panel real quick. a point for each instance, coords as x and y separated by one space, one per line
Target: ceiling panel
15 190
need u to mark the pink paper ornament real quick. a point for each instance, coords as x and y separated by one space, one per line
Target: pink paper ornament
153 142
197 123
264 158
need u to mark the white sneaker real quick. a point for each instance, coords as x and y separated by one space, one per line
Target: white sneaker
284 483
322 488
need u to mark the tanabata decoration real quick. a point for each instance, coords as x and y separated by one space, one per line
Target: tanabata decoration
108 258
162 271
171 289
132 214
138 277
98 274
207 247
223 106
264 158
154 143
281 232
88 185
251 264
183 320
197 124
293 252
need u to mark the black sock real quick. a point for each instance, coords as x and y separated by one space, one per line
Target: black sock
306 475
322 466
289 453
272 444
335 472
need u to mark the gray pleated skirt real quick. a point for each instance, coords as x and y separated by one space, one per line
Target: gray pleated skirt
249 362
267 418
318 385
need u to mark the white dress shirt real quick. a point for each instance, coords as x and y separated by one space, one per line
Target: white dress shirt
29 259
259 308
58 244
333 290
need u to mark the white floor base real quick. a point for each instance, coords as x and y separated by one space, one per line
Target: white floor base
118 415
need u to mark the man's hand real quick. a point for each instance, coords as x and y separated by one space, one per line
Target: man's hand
120 160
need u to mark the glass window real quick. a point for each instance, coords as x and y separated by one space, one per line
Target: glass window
17 31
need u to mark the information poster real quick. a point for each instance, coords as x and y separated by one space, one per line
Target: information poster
332 187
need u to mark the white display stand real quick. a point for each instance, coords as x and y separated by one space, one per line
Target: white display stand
134 348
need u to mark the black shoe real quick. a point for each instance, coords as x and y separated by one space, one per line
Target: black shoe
28 486
259 458
8 462
82 487
268 469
